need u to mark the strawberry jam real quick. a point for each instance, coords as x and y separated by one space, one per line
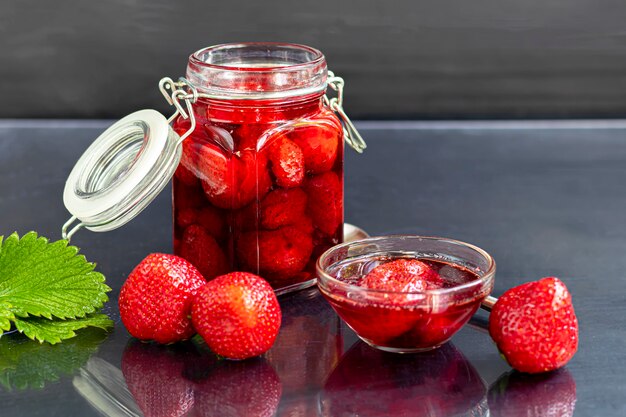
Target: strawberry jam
262 172
397 320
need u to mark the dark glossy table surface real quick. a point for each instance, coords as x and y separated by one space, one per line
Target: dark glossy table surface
543 198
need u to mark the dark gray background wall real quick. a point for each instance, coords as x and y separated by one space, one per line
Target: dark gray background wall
401 59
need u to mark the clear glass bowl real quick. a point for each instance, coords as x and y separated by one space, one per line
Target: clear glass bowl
404 322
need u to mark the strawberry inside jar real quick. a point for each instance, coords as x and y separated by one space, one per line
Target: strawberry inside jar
260 184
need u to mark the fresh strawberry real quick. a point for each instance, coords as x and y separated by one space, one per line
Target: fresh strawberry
203 251
535 327
283 207
155 301
277 254
237 315
154 376
402 275
287 162
246 388
542 395
210 218
325 203
319 144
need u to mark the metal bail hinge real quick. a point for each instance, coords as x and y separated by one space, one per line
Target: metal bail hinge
174 92
352 136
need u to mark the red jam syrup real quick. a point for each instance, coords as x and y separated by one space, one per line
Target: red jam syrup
404 321
259 188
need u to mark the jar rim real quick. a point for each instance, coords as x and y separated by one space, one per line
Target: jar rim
258 71
198 59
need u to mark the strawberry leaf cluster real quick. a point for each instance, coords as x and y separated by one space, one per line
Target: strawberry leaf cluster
48 290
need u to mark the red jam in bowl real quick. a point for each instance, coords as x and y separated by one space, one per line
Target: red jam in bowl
401 321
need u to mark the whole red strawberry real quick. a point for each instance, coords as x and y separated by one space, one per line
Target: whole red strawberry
237 315
535 327
154 376
155 301
551 394
402 275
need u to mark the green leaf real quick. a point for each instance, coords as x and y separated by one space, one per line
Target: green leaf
43 279
6 316
53 331
24 364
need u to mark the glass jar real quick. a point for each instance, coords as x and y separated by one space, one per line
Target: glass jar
259 187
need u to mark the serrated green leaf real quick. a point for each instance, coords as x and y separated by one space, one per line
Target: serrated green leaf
6 316
43 279
24 364
53 331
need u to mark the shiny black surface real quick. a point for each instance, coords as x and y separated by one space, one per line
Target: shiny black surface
542 199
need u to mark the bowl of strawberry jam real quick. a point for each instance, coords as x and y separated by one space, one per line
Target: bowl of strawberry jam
405 294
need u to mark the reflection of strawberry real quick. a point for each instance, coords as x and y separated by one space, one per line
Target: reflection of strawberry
545 395
237 315
325 203
201 249
402 275
534 326
233 389
277 254
153 375
155 301
283 207
307 349
370 382
287 162
320 145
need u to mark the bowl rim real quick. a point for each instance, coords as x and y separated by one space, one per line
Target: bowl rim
486 279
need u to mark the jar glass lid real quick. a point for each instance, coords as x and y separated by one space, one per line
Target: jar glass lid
124 169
